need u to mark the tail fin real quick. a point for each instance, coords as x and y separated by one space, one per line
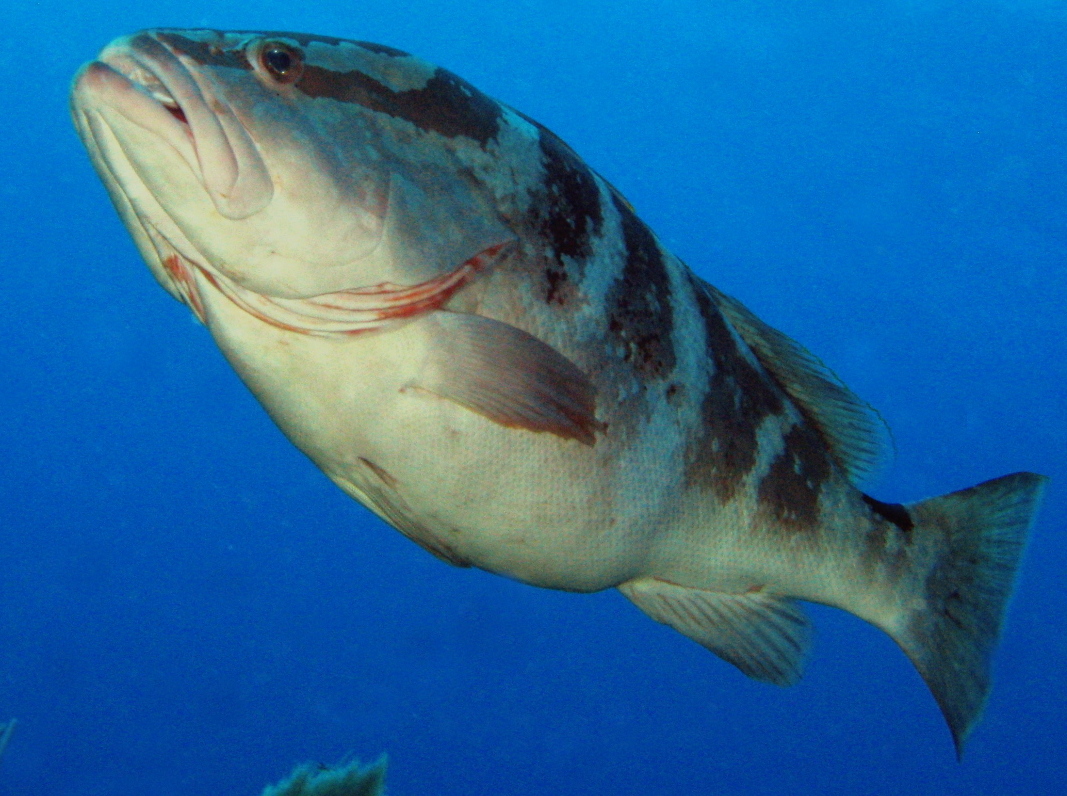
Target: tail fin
975 538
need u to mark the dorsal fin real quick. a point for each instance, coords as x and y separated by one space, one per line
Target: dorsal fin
856 434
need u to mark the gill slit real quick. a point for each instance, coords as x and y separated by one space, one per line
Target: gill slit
341 314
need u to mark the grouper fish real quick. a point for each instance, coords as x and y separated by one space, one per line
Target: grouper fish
472 333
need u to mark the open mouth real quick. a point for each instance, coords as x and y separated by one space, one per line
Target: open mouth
153 86
163 97
139 71
150 84
120 82
176 111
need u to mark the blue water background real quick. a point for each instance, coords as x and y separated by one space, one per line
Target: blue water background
188 607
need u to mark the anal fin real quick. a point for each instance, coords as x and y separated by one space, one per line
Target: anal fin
764 635
508 376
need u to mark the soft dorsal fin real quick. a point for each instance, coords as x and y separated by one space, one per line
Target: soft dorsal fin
856 434
764 635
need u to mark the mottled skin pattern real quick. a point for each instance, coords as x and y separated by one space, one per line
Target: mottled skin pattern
704 466
702 450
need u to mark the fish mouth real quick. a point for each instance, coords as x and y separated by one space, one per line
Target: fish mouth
149 84
134 62
157 91
145 102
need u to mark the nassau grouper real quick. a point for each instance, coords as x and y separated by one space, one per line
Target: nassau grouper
472 333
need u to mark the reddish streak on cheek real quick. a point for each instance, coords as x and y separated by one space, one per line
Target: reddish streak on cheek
210 277
361 310
435 296
431 302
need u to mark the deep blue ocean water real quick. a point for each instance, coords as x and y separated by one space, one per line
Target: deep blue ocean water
189 608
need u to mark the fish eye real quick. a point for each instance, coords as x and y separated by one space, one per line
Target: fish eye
281 63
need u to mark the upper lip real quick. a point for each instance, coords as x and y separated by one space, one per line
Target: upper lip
146 81
143 60
139 79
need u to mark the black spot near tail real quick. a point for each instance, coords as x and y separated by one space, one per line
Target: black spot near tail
894 512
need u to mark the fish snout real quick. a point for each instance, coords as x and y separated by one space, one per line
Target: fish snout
158 87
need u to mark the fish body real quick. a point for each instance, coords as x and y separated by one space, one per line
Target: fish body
471 332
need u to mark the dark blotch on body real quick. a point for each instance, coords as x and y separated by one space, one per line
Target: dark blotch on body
558 285
791 488
739 397
894 512
447 104
566 213
889 535
640 315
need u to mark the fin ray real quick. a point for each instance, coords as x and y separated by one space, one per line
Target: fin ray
975 539
6 731
764 635
508 376
856 434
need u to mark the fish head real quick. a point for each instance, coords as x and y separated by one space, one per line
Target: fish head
270 162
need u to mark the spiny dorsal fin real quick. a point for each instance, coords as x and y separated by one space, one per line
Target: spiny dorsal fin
856 434
764 635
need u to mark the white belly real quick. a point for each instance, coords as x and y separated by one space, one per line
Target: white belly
545 510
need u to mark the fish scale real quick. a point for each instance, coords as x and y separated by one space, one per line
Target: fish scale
537 387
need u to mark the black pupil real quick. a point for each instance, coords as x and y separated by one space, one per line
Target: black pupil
279 61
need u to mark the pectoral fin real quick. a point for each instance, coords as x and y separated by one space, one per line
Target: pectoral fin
763 635
508 376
